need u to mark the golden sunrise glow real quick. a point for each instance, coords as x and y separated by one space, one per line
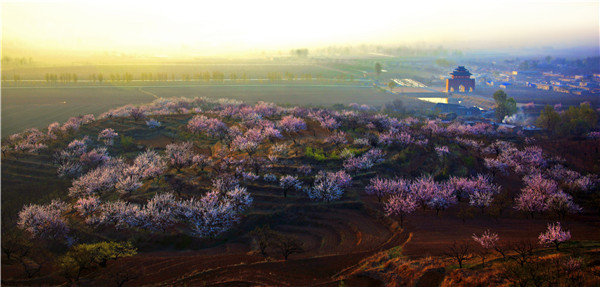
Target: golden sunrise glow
206 28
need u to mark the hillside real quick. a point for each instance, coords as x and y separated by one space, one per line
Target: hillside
351 195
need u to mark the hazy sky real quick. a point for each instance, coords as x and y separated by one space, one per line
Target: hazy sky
201 27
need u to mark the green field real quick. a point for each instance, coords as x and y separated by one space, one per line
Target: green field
253 70
26 107
34 102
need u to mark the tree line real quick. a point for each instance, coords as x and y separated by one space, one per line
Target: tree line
214 76
573 121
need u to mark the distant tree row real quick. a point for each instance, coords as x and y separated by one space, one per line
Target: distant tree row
155 77
63 78
7 60
300 53
16 78
93 78
581 64
215 76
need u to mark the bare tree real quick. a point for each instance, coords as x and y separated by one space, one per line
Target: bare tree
263 237
287 245
32 265
524 250
459 252
516 274
121 274
15 244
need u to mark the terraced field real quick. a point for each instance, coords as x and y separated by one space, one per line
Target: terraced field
336 236
29 178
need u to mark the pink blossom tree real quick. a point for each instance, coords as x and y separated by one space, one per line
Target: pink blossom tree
534 196
561 204
341 178
69 169
249 176
94 157
329 123
208 216
496 166
430 194
481 193
224 183
78 147
107 136
74 123
102 178
180 155
86 206
129 180
305 169
400 205
366 161
423 188
587 183
159 212
149 164
68 159
137 113
249 142
211 126
441 198
44 221
381 187
201 161
442 151
291 125
329 186
271 133
53 130
120 214
554 235
337 139
239 198
488 241
289 182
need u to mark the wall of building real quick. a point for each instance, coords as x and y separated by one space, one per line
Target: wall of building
453 85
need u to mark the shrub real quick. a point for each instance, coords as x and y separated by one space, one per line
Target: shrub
127 142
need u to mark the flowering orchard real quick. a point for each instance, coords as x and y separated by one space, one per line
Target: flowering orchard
201 167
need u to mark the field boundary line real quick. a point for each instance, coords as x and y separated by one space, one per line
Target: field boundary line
148 93
190 86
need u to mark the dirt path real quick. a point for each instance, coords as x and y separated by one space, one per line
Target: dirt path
148 93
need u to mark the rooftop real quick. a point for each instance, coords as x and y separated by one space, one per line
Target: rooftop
461 71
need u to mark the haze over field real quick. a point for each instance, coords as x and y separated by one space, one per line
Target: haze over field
181 28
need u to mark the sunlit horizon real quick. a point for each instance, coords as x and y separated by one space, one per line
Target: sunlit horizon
196 29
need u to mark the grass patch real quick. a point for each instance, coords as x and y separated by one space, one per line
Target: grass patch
127 142
319 155
395 252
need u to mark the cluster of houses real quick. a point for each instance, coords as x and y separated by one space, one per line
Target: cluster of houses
474 115
548 81
576 85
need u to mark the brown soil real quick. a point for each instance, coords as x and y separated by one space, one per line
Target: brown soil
335 238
